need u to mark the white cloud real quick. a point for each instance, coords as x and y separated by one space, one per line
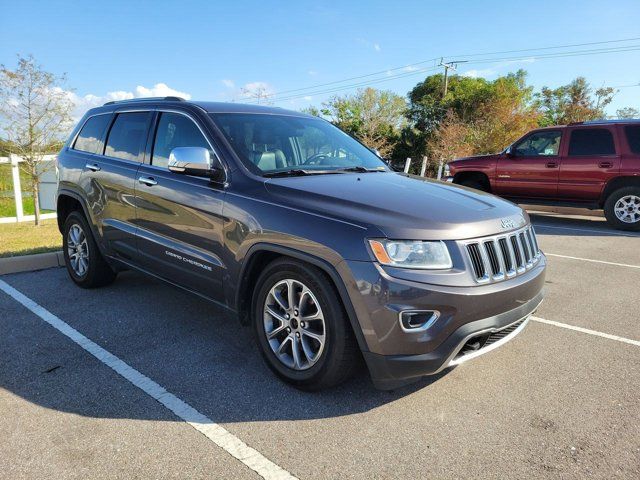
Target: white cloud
487 72
160 90
84 103
313 73
410 68
368 44
228 83
256 90
308 98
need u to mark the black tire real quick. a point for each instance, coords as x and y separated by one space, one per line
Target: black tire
610 205
473 184
339 358
97 273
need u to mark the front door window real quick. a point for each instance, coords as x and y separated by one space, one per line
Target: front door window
538 144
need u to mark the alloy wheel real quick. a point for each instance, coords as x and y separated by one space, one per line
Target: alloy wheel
77 250
294 324
627 209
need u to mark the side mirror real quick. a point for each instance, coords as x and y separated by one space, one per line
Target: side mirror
195 161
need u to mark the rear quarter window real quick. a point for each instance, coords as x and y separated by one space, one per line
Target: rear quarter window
591 141
91 137
632 133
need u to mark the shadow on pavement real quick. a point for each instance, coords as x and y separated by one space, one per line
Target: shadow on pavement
197 351
553 224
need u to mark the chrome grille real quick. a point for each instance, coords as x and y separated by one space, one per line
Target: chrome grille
503 256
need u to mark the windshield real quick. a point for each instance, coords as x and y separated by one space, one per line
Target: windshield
272 144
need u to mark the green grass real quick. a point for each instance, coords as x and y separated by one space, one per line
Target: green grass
8 207
7 203
25 238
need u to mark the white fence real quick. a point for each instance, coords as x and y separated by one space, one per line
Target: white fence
47 191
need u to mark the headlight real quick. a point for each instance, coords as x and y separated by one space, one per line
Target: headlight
446 171
411 253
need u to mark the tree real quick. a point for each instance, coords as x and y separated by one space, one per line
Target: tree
575 102
375 117
36 113
487 115
628 112
451 139
505 116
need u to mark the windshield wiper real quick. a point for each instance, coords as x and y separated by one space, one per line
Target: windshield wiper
360 169
298 172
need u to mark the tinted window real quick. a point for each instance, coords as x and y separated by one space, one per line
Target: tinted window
591 141
175 130
633 137
275 143
91 137
127 136
544 143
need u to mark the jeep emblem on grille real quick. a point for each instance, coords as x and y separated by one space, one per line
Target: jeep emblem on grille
507 223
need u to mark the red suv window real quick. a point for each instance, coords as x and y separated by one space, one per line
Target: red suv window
633 138
591 141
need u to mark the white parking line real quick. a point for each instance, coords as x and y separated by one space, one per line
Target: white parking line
591 230
591 260
586 330
214 432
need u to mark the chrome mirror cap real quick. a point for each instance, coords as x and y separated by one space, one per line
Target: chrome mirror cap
190 160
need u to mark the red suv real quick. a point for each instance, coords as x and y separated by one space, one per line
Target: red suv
592 164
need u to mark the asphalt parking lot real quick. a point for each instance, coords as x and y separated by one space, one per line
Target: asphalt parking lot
556 402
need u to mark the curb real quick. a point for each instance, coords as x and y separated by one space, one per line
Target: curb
29 263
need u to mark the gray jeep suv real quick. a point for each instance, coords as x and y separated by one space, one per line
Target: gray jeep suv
302 231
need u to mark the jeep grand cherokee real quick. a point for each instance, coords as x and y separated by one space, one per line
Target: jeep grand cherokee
302 231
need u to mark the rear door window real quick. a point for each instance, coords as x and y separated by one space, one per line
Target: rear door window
633 138
591 141
128 135
91 137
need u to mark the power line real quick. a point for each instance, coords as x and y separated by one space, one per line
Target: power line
550 48
275 97
411 65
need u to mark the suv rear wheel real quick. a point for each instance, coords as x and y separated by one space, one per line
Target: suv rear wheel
84 262
622 208
301 327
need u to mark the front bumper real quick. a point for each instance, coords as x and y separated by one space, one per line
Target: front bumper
396 357
392 371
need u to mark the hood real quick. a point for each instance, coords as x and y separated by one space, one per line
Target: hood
400 206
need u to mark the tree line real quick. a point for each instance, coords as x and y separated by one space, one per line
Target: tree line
475 116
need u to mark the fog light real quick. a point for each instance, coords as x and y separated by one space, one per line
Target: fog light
417 320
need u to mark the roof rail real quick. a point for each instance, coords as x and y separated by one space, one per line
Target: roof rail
605 121
147 99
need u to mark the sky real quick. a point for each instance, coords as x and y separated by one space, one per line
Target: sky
233 51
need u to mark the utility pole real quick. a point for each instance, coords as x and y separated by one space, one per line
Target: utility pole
449 65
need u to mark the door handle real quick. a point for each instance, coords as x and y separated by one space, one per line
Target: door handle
552 164
94 167
605 165
150 181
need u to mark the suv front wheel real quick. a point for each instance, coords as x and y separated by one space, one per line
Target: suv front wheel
622 208
84 262
301 327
